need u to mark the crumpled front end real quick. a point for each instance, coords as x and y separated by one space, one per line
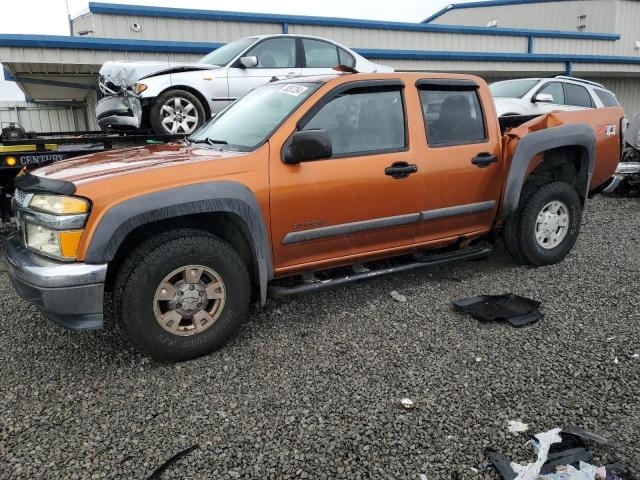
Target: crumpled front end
122 111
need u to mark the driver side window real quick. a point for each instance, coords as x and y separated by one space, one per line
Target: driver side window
555 90
275 53
363 120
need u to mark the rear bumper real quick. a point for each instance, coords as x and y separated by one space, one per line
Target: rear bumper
117 112
628 168
70 294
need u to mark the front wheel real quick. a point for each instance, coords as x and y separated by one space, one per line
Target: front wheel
176 112
181 294
546 225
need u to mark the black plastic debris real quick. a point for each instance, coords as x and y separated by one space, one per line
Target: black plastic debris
157 473
518 311
501 464
562 457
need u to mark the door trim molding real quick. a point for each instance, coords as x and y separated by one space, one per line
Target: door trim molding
457 210
385 222
350 228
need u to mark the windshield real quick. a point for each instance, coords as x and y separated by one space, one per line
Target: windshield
512 88
223 55
249 121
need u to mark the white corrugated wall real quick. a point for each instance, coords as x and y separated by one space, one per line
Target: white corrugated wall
38 117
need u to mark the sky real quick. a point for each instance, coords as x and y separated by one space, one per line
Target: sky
50 16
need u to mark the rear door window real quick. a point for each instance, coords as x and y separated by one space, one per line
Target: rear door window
363 120
608 99
577 96
452 116
320 54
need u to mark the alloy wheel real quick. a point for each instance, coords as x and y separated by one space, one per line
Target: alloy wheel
552 224
179 115
189 300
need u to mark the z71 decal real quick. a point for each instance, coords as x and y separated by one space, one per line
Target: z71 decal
608 130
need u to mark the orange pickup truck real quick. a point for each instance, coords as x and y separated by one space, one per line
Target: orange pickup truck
301 185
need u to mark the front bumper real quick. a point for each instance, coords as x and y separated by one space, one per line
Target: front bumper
118 112
70 294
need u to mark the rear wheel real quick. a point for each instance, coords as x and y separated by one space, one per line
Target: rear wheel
177 111
546 225
181 294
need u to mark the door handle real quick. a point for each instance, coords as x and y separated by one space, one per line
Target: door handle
484 159
400 170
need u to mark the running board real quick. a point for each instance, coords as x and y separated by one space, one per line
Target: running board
481 250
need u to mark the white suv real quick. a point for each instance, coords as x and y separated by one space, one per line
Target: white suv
533 96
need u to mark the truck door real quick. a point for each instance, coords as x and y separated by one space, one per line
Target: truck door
459 166
277 57
363 198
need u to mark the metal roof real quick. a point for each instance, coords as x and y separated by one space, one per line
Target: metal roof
93 43
170 12
485 3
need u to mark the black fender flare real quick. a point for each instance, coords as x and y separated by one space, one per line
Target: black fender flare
208 197
574 135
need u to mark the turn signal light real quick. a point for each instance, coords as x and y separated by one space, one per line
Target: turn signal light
11 161
139 88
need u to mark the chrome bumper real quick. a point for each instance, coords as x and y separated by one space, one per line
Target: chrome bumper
628 168
624 169
115 112
70 294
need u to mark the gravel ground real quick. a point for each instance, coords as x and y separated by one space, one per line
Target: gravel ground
311 387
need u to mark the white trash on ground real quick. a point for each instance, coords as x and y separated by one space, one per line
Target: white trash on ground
397 296
516 426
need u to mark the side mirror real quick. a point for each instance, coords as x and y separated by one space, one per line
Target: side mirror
249 62
543 98
308 145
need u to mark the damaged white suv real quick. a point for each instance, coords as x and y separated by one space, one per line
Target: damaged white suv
179 97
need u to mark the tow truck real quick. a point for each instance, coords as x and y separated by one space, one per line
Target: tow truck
20 149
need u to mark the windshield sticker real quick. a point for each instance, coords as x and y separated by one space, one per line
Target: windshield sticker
295 90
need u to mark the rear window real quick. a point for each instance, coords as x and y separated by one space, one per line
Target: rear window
608 99
452 117
577 96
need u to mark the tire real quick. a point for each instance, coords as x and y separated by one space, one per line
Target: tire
139 294
554 206
510 231
184 105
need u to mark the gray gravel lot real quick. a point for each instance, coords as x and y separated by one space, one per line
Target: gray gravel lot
310 388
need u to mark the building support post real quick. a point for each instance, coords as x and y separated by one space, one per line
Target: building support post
569 69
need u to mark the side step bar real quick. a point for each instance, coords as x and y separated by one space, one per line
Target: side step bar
482 250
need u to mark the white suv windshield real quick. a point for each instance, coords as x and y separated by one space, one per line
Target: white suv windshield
248 122
512 88
223 55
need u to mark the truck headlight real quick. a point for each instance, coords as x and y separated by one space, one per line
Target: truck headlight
60 244
59 204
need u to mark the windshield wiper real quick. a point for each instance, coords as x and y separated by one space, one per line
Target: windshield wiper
210 141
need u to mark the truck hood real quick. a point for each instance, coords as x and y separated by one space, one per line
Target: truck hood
124 73
103 165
